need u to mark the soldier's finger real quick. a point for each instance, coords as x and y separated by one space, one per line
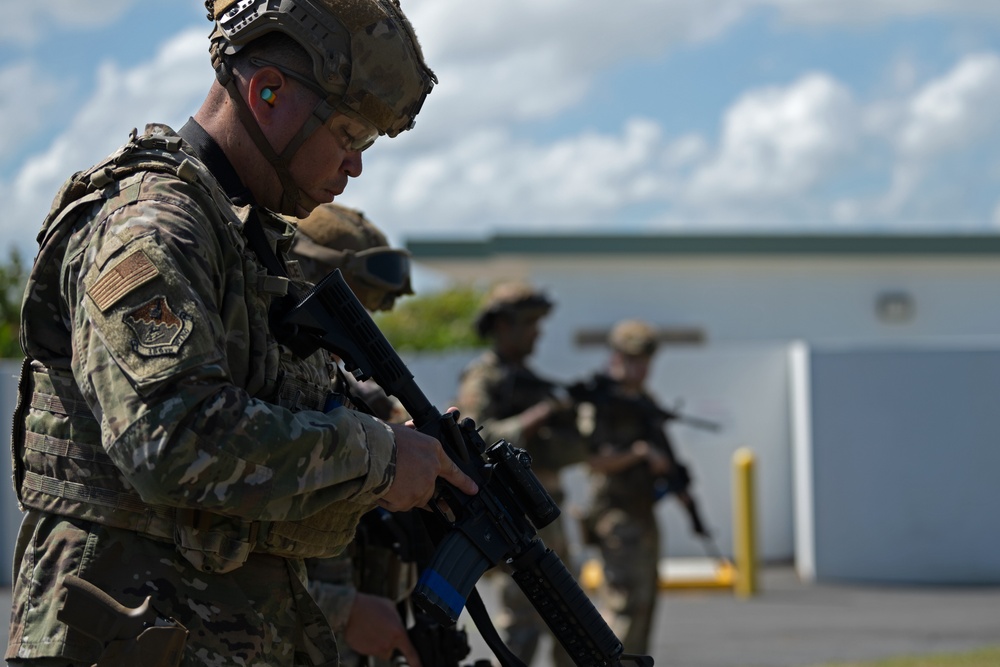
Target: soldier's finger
409 652
451 472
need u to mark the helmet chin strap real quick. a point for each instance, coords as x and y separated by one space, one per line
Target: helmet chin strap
292 196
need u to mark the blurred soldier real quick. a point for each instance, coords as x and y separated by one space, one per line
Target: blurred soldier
359 590
510 401
626 465
629 457
166 445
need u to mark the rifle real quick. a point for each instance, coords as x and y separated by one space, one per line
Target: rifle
472 533
404 534
677 480
440 645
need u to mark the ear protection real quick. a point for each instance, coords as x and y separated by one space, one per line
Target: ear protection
268 96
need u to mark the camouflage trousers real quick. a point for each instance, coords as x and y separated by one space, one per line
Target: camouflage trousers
520 624
259 615
630 549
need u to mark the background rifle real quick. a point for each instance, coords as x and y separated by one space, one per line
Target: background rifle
472 533
602 392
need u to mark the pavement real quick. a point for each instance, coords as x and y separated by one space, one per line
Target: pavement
794 624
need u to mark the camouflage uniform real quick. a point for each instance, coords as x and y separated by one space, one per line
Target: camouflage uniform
622 519
493 393
165 443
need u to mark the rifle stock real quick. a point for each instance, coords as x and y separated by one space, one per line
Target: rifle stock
472 533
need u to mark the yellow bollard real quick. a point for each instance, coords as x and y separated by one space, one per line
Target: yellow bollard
744 523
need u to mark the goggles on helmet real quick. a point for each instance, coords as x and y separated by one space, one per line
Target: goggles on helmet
384 268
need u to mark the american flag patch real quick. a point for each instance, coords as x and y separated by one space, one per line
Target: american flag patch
132 271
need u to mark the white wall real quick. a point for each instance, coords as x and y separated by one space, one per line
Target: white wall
10 515
777 298
898 479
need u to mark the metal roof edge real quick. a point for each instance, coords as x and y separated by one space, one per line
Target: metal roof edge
706 244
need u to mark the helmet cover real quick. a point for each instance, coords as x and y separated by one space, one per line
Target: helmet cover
366 58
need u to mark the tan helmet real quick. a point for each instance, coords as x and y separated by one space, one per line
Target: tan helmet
366 64
633 337
366 57
507 298
338 237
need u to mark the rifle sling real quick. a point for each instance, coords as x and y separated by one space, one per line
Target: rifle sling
481 617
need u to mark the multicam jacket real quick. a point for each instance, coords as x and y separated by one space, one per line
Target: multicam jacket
165 443
618 427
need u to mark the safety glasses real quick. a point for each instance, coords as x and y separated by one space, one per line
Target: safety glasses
351 129
353 133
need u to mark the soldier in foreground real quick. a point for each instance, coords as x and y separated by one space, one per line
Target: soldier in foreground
499 391
626 464
166 445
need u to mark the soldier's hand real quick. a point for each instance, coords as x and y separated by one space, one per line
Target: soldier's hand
374 628
420 460
658 463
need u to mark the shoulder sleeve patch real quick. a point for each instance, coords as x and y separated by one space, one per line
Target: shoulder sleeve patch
158 329
133 270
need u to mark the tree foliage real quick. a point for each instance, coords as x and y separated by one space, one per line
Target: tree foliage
433 322
13 277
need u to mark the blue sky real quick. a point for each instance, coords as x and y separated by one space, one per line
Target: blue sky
578 115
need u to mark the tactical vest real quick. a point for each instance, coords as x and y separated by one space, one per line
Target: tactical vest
59 464
619 423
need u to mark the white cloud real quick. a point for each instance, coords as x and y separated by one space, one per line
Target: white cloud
488 180
166 89
941 118
507 63
24 113
779 142
955 110
781 160
520 60
28 22
870 11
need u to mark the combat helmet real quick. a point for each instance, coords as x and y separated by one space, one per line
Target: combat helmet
338 237
507 298
366 64
633 338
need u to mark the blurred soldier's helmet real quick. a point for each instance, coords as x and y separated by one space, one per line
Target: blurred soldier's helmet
633 338
508 299
366 65
337 237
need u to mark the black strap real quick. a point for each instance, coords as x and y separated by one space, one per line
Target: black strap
481 617
257 239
